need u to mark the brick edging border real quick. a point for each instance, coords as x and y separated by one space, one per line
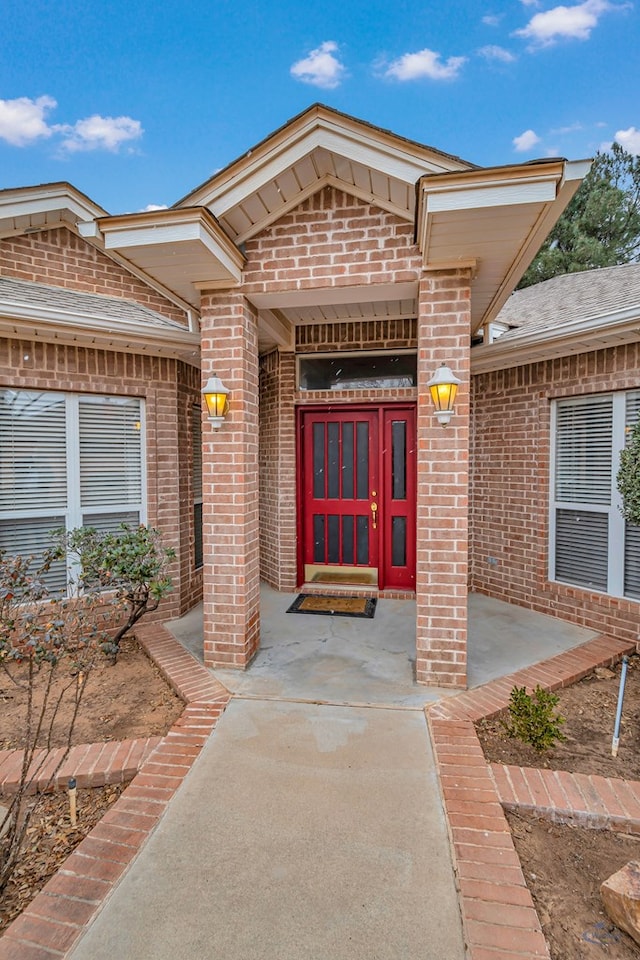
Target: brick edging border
56 918
498 916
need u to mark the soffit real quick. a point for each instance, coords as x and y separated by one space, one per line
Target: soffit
184 250
280 313
320 147
495 219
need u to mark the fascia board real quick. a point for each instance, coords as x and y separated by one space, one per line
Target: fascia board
47 200
277 153
493 195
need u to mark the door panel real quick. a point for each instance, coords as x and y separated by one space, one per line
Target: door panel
357 495
340 454
399 498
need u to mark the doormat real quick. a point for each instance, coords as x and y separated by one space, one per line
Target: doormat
334 606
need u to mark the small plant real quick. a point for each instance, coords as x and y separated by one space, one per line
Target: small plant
130 563
532 718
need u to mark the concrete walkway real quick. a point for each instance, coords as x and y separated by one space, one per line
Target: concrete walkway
313 829
301 831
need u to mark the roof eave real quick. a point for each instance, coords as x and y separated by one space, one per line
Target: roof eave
579 336
533 195
57 325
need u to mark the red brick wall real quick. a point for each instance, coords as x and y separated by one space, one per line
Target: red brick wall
509 515
167 387
60 258
277 471
331 240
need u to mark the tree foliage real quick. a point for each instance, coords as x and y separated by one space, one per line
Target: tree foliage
130 563
628 477
601 225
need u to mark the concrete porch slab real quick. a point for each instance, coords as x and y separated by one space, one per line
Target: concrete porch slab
344 660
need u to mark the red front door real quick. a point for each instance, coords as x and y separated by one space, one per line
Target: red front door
357 495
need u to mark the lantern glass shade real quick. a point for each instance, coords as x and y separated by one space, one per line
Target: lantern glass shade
443 387
216 397
444 395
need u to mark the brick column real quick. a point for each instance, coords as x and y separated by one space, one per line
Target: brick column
443 469
230 484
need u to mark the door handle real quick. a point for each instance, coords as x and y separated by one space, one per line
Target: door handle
374 515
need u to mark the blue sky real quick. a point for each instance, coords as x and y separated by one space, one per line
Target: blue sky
137 103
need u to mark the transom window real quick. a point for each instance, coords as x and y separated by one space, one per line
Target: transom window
67 461
357 371
591 545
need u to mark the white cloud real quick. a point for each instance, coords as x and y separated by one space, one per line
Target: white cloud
491 20
150 207
23 120
562 131
628 139
425 63
494 52
321 67
565 22
525 141
99 133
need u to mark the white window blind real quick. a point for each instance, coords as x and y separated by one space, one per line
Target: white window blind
631 533
67 461
587 527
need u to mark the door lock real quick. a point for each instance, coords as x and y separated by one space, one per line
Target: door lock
374 515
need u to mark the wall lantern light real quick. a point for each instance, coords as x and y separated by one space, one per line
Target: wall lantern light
216 397
443 386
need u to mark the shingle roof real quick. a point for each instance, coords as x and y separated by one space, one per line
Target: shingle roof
26 294
571 297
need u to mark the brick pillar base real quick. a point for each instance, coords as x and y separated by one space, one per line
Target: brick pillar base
443 467
230 485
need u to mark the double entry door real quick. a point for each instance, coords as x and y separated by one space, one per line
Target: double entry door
357 495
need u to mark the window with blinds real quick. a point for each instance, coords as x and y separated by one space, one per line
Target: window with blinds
196 455
587 527
67 461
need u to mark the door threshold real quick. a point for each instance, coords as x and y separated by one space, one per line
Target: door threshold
358 590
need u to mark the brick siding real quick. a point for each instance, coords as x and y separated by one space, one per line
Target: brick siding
510 462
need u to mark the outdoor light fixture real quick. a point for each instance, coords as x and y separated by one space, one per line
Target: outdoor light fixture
443 386
216 397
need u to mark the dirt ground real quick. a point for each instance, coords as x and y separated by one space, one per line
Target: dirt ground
128 699
565 865
50 840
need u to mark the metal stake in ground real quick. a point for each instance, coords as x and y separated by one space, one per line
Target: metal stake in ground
616 730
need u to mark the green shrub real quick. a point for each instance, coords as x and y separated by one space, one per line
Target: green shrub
532 718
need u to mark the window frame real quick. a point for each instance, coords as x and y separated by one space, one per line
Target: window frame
612 509
73 513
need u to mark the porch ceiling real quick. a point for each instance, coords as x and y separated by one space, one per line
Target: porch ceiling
280 313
